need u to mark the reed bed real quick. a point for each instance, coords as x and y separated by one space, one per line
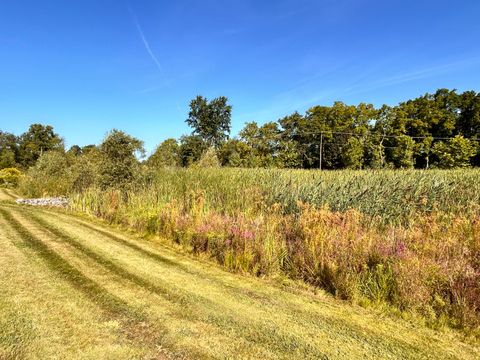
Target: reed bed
406 239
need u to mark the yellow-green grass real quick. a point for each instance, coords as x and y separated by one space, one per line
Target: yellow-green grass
72 288
406 238
7 195
387 195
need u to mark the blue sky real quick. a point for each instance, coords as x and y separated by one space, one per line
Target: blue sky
92 65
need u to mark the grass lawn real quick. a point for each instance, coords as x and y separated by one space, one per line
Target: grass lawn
76 289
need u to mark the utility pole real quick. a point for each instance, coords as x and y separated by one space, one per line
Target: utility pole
321 150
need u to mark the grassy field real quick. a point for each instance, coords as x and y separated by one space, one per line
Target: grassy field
408 239
7 194
390 196
73 288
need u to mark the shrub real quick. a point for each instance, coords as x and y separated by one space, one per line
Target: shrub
10 177
119 166
49 177
208 160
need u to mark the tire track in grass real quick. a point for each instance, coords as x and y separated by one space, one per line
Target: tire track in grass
150 254
374 342
17 330
5 195
12 194
289 343
133 322
253 296
160 258
252 331
342 329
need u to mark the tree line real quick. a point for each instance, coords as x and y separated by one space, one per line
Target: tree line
440 130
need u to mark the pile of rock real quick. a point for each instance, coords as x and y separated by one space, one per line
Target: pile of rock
55 201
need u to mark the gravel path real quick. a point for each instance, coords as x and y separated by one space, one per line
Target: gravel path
54 201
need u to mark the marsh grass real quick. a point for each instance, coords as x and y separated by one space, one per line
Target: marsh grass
226 315
404 238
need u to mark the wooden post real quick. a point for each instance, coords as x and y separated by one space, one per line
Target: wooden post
321 150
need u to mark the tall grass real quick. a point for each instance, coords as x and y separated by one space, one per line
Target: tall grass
410 239
392 196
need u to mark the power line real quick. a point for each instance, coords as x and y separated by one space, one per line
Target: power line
370 134
382 135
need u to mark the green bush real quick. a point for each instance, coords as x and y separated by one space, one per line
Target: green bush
10 177
49 177
119 165
208 160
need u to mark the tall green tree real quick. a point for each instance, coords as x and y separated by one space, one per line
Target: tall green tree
209 159
401 154
119 164
468 123
236 153
191 149
456 152
8 150
264 141
333 126
74 150
86 168
167 154
37 140
50 176
353 154
210 119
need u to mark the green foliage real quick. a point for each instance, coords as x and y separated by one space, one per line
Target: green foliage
401 153
10 177
85 170
288 155
191 149
352 154
8 150
49 176
210 120
371 237
353 136
36 141
74 150
7 159
167 154
402 136
374 152
264 142
58 173
87 148
468 123
235 153
333 126
456 152
118 163
209 159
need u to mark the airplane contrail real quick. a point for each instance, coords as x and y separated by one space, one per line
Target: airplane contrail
147 45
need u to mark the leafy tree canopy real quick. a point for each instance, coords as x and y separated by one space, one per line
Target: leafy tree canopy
210 119
37 140
167 154
119 164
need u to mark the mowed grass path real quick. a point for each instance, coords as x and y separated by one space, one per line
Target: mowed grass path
75 289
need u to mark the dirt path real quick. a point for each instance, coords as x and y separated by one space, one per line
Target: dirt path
72 288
